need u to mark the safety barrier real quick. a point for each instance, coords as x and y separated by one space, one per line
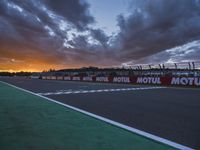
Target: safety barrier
171 81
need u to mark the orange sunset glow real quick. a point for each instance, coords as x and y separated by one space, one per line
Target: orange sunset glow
31 62
30 65
58 34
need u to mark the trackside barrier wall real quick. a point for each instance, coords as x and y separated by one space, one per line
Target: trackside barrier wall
172 81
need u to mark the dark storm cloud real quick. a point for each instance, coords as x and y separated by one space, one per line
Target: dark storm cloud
21 15
22 25
155 26
101 36
75 11
61 31
80 42
28 26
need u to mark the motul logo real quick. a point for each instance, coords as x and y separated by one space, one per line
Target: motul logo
67 78
121 79
49 78
59 78
185 81
53 77
102 79
149 80
76 78
87 78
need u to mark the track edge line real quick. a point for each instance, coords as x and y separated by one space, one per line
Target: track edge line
117 124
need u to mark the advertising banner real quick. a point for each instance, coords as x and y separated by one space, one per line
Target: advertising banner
174 81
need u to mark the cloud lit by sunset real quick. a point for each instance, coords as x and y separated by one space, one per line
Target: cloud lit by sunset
38 35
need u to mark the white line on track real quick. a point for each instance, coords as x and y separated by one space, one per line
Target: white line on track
98 91
131 129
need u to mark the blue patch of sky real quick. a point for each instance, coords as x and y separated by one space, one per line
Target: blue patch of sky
105 13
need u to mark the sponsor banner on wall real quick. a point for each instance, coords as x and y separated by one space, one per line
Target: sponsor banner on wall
102 79
121 80
67 78
176 81
60 78
44 77
181 81
192 81
53 78
87 79
76 78
48 77
148 80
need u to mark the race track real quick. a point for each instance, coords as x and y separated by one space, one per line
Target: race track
170 113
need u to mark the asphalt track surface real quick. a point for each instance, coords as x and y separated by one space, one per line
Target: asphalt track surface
170 113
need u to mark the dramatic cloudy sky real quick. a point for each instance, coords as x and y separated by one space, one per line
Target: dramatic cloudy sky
42 34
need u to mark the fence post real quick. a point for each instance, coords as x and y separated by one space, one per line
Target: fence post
193 65
175 66
189 65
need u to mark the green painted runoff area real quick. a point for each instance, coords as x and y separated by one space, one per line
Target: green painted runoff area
30 122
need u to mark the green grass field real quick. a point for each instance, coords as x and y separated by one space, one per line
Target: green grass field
30 122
